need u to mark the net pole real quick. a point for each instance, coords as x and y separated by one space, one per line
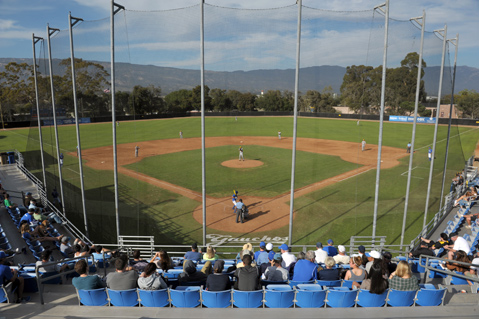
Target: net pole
50 32
71 23
442 33
456 43
381 114
203 156
413 138
114 9
295 124
40 135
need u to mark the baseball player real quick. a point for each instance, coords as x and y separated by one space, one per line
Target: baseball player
181 134
136 150
61 159
363 145
234 198
279 134
429 153
241 157
408 147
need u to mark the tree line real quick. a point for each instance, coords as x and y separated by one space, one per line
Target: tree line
360 91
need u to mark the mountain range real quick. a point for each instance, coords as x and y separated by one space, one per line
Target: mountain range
255 81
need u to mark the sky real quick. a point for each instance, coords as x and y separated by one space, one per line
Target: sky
241 39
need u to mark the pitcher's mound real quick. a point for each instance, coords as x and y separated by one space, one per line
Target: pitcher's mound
242 164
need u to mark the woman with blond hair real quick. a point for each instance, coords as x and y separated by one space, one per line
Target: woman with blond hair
402 278
329 273
355 273
210 254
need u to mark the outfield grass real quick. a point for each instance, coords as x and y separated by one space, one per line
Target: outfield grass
269 180
337 211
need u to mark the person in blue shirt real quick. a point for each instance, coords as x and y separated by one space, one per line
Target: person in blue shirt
305 269
234 199
193 255
28 217
429 153
330 249
238 209
261 256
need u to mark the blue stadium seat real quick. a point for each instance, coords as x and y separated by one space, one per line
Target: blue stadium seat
248 299
349 283
216 299
457 280
329 283
294 283
268 282
341 298
398 298
123 298
96 297
279 296
310 296
368 299
185 298
430 297
153 298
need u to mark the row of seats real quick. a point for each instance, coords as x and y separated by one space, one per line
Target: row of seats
275 296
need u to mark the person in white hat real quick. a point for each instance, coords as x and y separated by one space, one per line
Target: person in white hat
341 257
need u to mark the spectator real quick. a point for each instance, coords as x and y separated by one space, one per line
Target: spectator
261 256
247 277
45 258
10 275
77 251
27 234
28 217
373 255
330 249
422 250
8 203
362 254
288 258
402 278
99 250
39 217
84 246
341 257
320 253
440 243
85 282
329 273
137 263
122 279
193 254
305 269
355 273
210 254
218 281
375 283
150 279
275 272
462 257
459 244
162 261
190 274
242 254
269 249
248 247
475 261
388 264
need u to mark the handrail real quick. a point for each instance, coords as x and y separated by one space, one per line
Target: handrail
447 272
61 274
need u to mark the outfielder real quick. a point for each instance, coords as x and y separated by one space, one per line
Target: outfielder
136 150
279 134
241 157
363 145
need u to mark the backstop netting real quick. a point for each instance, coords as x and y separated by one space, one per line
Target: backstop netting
249 61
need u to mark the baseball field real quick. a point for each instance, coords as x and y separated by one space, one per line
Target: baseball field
160 190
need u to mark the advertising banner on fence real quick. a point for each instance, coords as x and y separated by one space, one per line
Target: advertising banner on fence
67 121
398 118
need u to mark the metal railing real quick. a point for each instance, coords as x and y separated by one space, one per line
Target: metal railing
424 261
41 279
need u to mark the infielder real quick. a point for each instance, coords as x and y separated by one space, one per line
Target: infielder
408 147
279 134
363 145
241 157
429 153
136 150
61 159
181 134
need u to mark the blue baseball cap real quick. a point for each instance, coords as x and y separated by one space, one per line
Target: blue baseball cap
330 241
284 247
278 257
319 244
262 244
3 255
